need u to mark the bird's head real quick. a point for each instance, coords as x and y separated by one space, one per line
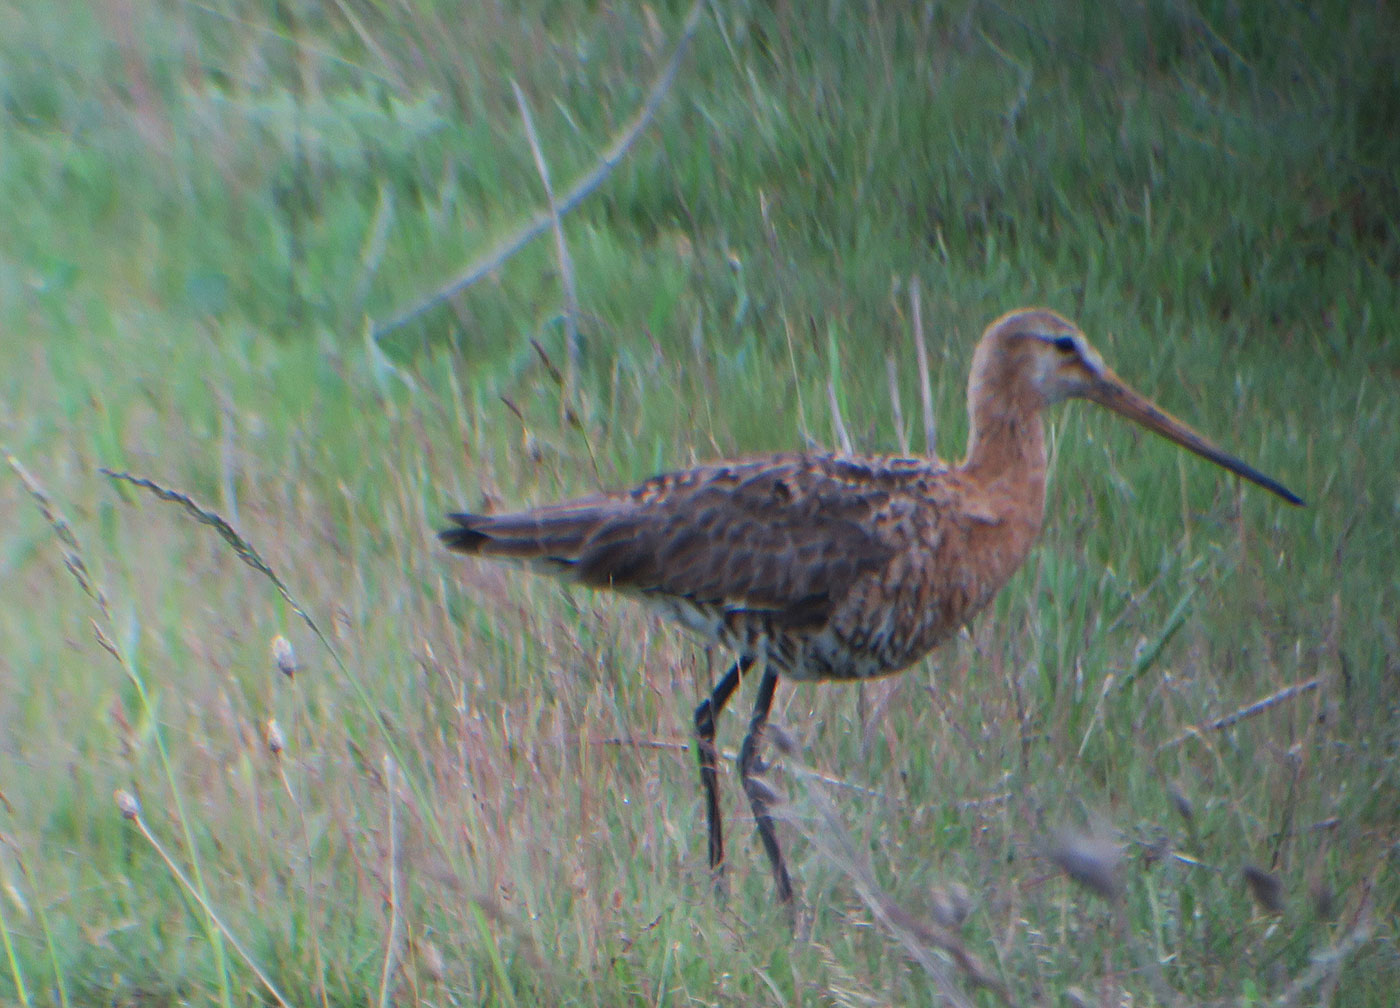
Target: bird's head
1040 356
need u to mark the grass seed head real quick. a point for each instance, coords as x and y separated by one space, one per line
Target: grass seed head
950 905
284 656
433 961
275 740
1076 997
1265 887
1183 803
1156 849
1324 900
1094 861
127 803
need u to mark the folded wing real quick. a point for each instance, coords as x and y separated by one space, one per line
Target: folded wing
787 536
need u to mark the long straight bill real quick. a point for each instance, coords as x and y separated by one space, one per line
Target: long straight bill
1110 391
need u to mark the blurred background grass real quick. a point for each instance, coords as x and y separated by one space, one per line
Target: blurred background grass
204 206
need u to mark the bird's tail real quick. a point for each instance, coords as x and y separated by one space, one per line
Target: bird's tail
552 536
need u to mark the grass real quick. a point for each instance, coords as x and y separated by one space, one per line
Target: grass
483 792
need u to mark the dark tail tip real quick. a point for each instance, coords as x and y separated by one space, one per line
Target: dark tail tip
466 537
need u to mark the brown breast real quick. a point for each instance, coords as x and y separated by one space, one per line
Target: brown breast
828 566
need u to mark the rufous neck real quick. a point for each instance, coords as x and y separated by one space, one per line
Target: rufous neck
1006 439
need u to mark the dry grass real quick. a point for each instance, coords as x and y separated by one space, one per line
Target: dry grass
1161 770
485 785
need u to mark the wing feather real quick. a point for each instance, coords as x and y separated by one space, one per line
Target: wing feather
785 535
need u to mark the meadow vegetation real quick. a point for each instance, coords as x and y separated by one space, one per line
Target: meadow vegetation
479 788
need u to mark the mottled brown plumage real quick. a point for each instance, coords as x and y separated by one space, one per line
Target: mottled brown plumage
834 566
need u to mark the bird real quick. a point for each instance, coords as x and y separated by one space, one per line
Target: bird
834 566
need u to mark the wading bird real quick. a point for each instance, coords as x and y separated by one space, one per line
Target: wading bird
834 566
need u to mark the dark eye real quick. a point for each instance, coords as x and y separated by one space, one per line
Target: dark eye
1066 344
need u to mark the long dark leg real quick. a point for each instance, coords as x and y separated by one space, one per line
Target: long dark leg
709 757
760 797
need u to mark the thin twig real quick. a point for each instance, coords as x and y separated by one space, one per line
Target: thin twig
770 235
376 240
607 161
561 248
1258 707
843 436
198 896
892 373
391 940
311 889
925 381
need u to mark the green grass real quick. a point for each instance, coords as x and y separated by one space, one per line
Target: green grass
204 207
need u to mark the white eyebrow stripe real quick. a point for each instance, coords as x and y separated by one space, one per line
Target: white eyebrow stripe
1087 354
1090 355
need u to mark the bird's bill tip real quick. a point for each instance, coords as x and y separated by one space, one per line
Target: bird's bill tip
1112 392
